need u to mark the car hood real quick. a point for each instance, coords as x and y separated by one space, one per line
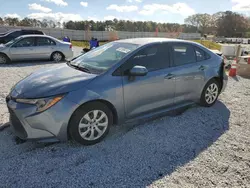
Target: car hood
51 81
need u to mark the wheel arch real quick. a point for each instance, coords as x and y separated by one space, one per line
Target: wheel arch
217 78
105 102
57 51
5 55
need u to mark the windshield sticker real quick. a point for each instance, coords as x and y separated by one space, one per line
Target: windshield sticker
123 50
98 51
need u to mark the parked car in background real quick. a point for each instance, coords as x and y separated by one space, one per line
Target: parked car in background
121 81
32 47
12 34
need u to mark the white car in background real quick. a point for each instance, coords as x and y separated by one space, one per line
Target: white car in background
35 47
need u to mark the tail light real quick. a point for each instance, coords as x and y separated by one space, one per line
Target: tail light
70 46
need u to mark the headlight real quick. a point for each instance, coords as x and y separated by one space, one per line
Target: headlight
42 104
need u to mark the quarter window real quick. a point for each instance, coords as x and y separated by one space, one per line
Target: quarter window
200 54
183 54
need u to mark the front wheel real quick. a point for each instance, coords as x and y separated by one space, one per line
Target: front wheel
90 123
210 93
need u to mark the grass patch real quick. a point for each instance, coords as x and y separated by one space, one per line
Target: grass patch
83 44
209 44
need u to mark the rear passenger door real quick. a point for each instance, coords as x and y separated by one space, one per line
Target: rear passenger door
45 47
189 63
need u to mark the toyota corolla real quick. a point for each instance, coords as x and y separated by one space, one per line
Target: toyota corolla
119 82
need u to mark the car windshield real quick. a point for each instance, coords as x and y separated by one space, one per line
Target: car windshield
104 57
12 41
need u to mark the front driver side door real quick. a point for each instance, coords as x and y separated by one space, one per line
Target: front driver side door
24 49
153 92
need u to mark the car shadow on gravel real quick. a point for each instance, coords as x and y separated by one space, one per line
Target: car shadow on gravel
131 156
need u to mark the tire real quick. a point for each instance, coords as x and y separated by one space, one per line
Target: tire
4 59
210 93
57 56
84 117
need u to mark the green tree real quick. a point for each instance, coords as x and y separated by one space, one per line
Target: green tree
1 21
232 24
11 21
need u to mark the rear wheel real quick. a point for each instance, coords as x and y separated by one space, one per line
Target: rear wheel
3 59
57 56
210 93
90 123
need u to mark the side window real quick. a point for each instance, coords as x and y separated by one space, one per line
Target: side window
15 34
154 57
183 54
26 42
200 54
43 41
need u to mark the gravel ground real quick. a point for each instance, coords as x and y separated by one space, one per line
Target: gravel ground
202 147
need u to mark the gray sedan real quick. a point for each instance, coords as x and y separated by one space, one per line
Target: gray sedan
34 47
119 82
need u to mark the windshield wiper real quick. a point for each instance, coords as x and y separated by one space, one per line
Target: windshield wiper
78 67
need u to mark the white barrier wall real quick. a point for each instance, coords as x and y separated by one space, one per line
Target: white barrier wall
103 35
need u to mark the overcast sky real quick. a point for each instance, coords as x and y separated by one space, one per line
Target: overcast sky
154 10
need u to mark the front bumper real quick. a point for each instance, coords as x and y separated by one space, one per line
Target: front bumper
52 123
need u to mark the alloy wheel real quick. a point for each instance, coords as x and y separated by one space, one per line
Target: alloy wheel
211 93
3 60
93 125
57 57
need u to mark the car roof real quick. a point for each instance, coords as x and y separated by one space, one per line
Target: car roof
30 30
35 35
144 41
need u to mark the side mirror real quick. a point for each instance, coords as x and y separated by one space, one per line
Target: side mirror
138 71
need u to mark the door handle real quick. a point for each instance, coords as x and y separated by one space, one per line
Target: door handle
169 76
202 67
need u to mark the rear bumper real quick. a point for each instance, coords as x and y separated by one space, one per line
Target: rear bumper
225 80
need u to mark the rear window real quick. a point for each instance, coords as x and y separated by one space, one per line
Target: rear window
38 32
30 32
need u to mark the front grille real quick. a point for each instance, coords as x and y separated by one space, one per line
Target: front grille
17 125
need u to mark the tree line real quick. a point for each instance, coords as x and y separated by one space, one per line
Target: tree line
228 24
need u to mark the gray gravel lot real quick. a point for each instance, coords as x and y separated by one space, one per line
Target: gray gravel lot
203 147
